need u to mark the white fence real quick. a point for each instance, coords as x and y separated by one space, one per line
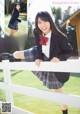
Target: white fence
62 66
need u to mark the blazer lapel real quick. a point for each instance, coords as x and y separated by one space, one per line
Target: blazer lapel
52 44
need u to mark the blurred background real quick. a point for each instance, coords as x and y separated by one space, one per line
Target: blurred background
66 15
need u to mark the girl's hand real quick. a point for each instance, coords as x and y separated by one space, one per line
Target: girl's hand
55 59
37 62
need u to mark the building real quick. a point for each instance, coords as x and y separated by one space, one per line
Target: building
74 20
9 5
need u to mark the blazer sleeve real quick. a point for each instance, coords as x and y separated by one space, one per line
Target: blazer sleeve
19 20
39 47
66 48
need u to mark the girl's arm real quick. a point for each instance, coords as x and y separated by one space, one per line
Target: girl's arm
66 48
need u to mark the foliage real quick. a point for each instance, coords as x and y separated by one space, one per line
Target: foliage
31 39
57 14
9 4
71 31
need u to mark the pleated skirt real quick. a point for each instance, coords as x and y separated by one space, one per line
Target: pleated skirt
13 26
48 78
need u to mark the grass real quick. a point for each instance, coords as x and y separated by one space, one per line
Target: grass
40 106
1 76
22 28
23 18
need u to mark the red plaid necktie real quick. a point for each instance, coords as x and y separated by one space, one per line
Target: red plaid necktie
43 40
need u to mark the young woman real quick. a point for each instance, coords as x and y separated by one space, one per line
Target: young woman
52 45
13 23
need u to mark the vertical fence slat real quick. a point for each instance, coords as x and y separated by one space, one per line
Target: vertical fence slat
7 80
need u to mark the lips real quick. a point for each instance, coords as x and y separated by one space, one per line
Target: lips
45 28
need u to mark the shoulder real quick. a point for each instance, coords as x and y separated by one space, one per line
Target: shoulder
16 12
61 37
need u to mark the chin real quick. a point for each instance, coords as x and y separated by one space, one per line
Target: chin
46 32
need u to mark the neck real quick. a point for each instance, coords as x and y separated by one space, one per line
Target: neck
46 33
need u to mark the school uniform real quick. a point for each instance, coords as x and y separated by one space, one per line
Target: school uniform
13 23
56 46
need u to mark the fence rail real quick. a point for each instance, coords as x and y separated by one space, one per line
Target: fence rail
63 66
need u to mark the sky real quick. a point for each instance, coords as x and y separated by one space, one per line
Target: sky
44 5
36 6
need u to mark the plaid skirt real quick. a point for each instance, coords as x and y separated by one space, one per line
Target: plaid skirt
13 26
48 78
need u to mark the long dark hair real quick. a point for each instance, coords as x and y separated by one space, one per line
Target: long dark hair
14 7
45 16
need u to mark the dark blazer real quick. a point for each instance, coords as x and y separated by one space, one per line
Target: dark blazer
14 17
60 48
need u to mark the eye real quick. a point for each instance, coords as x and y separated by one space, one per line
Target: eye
39 22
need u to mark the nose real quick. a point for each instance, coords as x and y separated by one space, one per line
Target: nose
43 24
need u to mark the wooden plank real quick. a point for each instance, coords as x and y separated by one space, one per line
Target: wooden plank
23 15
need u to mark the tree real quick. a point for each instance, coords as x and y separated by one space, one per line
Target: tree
66 13
57 14
6 6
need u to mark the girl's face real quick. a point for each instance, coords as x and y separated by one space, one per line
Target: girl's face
18 7
44 26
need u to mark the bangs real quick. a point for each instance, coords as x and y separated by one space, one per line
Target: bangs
42 16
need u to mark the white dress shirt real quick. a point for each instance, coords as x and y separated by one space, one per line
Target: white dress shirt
46 48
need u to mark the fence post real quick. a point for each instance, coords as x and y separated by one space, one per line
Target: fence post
7 81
